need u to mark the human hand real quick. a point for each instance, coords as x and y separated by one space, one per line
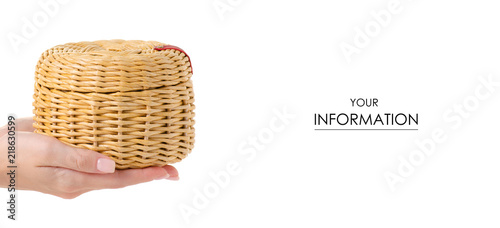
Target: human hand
47 165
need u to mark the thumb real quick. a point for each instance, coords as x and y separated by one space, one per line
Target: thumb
57 154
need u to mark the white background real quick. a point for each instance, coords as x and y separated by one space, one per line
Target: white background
265 55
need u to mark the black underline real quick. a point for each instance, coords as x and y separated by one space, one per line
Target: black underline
368 129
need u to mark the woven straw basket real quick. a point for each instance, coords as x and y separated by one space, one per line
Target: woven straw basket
130 100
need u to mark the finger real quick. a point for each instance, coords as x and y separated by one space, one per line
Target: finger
173 174
53 153
25 124
22 124
123 178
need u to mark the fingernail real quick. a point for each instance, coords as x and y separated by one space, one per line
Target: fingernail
176 178
106 165
163 177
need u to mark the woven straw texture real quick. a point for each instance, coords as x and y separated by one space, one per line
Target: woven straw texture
128 100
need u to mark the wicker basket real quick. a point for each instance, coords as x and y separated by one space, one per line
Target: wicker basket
129 100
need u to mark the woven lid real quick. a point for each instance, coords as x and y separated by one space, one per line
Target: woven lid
112 66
